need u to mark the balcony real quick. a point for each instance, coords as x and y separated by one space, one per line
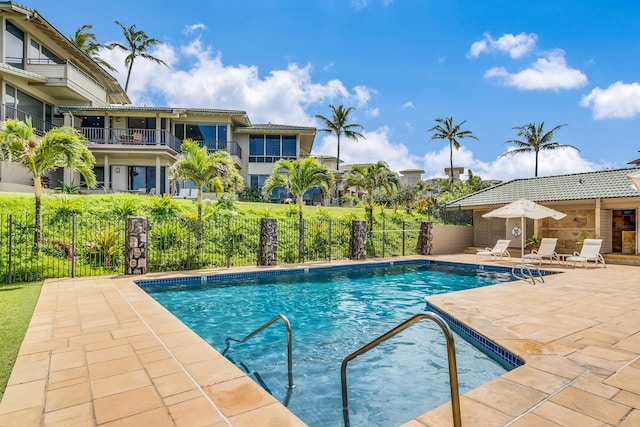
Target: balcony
232 148
67 81
132 137
40 127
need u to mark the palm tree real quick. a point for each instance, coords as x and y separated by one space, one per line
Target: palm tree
59 147
338 124
213 171
87 42
535 139
447 130
372 178
137 44
299 176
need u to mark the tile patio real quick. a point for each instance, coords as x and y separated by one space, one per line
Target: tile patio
101 352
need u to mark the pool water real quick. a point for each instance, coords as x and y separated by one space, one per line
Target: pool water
334 312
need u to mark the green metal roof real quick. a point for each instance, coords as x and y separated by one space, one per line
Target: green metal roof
578 186
133 108
279 128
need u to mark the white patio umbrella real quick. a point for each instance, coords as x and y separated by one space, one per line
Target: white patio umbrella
634 177
522 209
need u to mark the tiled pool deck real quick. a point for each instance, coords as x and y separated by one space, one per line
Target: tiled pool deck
100 351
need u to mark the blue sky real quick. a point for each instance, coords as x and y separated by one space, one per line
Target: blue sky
401 63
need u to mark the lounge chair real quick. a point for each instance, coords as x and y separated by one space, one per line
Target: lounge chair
183 194
547 249
590 252
193 194
499 250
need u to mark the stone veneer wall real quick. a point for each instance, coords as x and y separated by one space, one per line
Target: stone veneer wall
268 249
136 246
358 240
577 225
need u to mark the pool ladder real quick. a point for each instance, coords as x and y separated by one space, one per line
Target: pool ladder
451 355
526 272
284 319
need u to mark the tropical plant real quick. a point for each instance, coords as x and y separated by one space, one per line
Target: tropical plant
137 43
299 176
106 245
164 207
338 124
71 188
67 207
372 178
59 147
535 139
447 130
124 208
213 171
88 43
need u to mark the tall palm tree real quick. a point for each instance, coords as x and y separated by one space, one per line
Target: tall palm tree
447 130
338 124
372 178
59 147
299 176
213 171
88 43
137 44
535 139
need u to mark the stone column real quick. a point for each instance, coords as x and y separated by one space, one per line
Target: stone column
268 249
358 240
425 239
135 257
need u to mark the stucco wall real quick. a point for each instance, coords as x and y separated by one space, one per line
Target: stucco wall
451 239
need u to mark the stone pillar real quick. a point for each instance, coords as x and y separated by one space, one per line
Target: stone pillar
268 249
425 239
358 240
135 256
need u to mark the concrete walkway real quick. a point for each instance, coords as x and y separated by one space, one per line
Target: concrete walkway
101 352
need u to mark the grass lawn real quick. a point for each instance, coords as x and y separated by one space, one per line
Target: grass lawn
17 303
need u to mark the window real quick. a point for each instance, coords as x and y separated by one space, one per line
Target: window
271 148
39 54
256 182
212 136
14 46
21 105
99 171
145 177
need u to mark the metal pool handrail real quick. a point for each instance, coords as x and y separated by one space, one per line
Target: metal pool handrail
451 355
284 319
525 272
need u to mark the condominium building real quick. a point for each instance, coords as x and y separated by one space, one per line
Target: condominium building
46 78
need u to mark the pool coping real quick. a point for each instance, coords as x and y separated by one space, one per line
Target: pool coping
101 350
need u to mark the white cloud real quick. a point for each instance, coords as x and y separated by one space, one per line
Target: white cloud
408 104
618 101
373 112
282 96
190 29
506 168
548 73
515 45
377 146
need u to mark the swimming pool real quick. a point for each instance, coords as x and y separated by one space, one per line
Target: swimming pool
334 311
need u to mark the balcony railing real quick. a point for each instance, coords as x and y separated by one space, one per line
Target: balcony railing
40 127
138 137
232 148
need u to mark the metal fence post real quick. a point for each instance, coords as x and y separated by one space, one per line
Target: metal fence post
73 246
329 240
10 260
188 244
403 236
228 242
384 222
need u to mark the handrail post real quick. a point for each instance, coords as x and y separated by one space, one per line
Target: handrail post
451 357
287 324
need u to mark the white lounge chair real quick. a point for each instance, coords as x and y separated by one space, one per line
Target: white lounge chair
183 194
547 249
193 194
590 252
499 250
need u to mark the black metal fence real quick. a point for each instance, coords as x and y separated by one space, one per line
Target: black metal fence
77 246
